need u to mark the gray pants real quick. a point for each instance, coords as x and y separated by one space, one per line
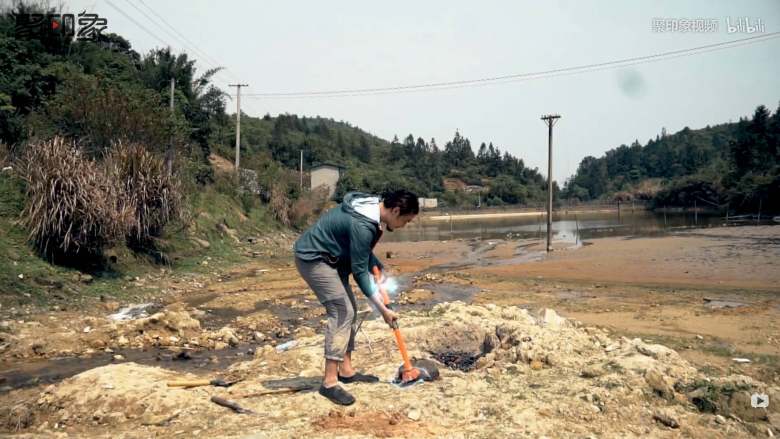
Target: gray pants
333 291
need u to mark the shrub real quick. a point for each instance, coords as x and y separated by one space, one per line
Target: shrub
280 203
152 196
73 209
307 206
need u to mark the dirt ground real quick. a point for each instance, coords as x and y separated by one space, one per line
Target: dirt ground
711 295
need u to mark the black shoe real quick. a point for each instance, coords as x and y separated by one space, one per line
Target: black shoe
359 378
337 394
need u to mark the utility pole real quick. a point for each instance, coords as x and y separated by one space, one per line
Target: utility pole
301 171
170 152
238 123
550 120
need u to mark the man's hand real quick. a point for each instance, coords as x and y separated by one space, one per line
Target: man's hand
389 316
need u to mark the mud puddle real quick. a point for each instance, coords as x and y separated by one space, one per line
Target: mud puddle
27 373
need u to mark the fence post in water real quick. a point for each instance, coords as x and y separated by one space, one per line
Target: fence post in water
577 223
695 213
539 223
759 211
665 223
619 222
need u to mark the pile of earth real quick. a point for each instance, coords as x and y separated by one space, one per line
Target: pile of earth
508 373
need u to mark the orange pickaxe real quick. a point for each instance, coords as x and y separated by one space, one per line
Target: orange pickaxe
408 374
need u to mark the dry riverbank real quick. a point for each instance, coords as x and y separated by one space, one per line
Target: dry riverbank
711 295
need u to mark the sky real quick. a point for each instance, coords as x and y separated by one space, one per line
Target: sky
296 46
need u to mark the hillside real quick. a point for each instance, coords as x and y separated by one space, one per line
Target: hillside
734 165
374 164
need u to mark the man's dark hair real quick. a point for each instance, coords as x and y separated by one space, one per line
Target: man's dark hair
405 200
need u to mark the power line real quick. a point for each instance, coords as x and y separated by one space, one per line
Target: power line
207 60
152 34
192 46
520 76
144 28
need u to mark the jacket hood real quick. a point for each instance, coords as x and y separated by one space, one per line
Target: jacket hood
355 204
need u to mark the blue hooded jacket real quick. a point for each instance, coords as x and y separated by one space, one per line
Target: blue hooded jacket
345 239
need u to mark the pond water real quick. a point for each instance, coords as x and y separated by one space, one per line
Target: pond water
568 227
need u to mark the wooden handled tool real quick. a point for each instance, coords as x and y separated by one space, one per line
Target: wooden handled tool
409 373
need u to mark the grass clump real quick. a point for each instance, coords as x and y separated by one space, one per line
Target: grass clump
73 208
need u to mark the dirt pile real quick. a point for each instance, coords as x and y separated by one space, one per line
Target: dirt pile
113 394
534 374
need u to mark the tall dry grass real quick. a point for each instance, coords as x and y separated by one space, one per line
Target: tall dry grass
5 155
148 191
73 208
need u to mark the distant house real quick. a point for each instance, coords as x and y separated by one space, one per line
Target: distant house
428 203
327 175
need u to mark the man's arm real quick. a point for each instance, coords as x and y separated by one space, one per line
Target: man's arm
360 254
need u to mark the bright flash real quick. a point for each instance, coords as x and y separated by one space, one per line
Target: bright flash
390 285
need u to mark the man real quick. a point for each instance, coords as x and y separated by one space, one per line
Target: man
340 243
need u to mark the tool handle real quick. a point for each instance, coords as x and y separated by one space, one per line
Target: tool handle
397 332
377 278
189 383
402 347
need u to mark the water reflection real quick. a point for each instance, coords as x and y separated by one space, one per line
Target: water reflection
568 227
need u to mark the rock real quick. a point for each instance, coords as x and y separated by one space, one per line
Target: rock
720 419
414 415
637 363
227 335
122 341
201 242
536 365
219 345
592 371
485 361
659 383
118 357
657 351
259 336
304 331
87 330
86 278
548 318
666 418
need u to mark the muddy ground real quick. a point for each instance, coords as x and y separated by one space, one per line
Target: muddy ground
711 295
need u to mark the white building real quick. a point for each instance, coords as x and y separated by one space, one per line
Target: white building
428 203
